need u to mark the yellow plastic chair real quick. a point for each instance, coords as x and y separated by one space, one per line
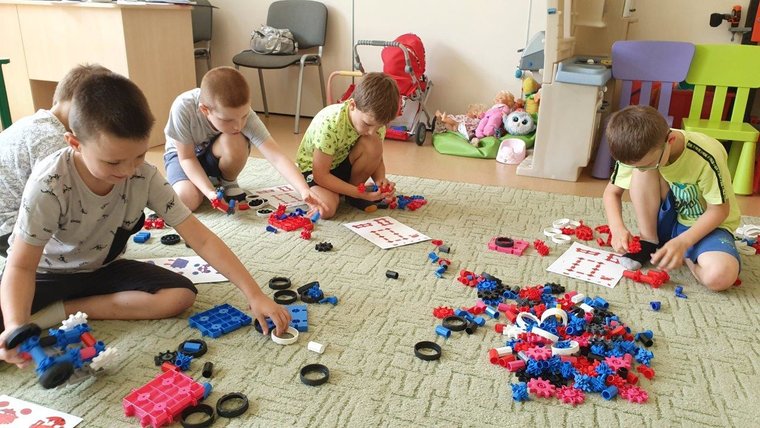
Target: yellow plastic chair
724 67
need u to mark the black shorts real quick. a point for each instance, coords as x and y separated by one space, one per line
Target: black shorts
342 171
121 275
4 245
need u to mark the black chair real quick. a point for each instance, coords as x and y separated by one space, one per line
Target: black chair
307 20
202 16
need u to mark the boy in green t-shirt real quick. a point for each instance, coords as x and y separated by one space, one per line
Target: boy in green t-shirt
682 195
343 146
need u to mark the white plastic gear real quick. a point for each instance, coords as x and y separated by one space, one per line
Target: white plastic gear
104 359
74 320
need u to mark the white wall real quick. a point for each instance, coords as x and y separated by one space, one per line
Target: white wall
471 46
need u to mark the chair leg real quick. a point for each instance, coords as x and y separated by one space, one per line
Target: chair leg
322 85
734 153
298 100
263 92
745 169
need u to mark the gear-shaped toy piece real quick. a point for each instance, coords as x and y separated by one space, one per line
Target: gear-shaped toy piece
442 312
165 357
634 394
74 320
539 353
541 388
617 362
105 359
570 395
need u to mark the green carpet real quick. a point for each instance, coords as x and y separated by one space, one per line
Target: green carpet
706 348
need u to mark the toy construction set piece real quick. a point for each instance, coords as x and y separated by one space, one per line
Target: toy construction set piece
308 371
219 320
70 352
507 245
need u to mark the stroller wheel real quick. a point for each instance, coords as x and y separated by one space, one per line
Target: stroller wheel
419 136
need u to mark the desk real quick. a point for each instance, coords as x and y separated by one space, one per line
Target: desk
152 44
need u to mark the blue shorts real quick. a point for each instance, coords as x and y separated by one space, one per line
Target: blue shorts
209 163
342 171
668 228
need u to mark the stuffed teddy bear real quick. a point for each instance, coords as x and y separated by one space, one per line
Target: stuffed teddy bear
492 119
519 123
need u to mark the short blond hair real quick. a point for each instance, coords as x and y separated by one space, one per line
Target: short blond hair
64 90
635 131
225 87
377 94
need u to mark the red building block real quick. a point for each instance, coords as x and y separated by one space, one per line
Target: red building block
160 401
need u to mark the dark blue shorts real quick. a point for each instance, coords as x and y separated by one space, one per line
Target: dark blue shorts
342 171
668 227
208 161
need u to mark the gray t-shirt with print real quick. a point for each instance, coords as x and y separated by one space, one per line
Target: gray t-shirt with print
76 226
188 125
22 145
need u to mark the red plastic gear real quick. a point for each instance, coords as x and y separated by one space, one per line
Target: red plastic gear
617 362
568 231
306 234
570 395
634 394
541 387
361 187
635 245
541 247
443 312
584 233
539 354
437 242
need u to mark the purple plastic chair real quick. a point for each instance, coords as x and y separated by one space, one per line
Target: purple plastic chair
647 62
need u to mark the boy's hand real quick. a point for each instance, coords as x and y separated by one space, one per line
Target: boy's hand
620 239
263 307
387 183
11 355
671 255
314 203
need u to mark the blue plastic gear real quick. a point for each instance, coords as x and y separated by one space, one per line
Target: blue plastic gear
520 391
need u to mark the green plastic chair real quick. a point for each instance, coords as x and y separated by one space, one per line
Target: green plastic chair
727 66
5 110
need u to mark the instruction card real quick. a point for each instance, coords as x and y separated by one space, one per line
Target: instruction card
280 195
194 268
386 232
589 264
20 413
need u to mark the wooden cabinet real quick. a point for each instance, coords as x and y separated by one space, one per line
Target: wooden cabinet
151 44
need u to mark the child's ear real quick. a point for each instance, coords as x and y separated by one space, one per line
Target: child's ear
72 140
204 109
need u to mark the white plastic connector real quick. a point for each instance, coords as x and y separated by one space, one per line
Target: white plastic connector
316 347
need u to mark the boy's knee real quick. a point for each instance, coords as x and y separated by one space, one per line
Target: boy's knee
178 300
718 278
189 195
328 213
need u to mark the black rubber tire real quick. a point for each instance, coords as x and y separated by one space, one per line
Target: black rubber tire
420 133
21 334
57 374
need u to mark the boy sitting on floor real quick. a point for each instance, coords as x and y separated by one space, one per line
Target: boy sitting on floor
682 195
209 136
79 208
343 146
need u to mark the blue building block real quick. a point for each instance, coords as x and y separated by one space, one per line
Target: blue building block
299 317
219 320
443 331
183 361
141 237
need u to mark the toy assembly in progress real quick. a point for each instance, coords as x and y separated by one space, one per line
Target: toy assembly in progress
670 116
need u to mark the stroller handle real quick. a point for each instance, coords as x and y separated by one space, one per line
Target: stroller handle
384 43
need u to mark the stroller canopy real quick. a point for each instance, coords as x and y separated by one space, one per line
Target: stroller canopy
393 63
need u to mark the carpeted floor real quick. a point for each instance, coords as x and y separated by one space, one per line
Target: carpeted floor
706 348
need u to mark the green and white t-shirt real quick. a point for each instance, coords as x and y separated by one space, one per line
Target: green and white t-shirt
698 177
332 133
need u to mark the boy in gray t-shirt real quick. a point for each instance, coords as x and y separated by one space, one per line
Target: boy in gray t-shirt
209 135
78 210
29 140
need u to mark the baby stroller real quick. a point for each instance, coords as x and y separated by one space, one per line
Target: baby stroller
404 60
